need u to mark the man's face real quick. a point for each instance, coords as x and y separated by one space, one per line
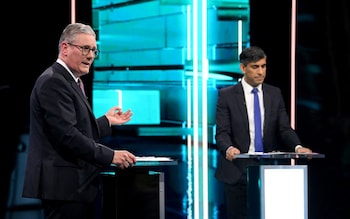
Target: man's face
254 72
78 60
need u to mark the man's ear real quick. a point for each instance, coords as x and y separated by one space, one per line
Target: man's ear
242 67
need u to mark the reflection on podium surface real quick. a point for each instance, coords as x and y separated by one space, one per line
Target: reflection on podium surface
278 157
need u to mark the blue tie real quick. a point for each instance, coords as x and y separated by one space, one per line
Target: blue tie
257 121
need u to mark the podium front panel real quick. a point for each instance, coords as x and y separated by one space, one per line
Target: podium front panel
142 191
277 191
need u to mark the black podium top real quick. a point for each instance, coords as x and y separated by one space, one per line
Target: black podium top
280 155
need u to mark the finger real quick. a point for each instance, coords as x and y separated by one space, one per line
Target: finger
130 162
126 164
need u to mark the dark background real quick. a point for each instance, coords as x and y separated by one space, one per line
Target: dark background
30 38
322 74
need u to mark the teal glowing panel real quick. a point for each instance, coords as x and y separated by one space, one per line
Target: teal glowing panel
145 104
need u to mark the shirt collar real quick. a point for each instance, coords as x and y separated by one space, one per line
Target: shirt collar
248 88
66 67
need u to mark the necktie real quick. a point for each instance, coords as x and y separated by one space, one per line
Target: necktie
257 121
81 85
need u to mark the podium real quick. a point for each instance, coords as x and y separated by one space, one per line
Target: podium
136 192
278 191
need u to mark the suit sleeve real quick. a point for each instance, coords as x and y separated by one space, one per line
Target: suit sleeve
72 128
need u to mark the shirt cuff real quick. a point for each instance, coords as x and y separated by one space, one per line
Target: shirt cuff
297 147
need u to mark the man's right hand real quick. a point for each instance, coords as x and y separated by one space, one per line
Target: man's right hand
231 152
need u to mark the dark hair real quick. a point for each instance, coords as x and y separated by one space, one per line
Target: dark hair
251 54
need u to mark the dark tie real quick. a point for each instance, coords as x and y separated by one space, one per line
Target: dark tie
81 85
257 121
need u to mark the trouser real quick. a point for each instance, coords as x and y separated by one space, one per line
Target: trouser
236 200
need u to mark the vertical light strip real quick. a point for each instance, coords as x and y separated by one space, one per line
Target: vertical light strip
240 37
189 34
204 112
195 109
189 151
190 175
72 14
189 119
292 67
120 97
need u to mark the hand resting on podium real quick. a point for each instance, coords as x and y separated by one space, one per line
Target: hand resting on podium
232 152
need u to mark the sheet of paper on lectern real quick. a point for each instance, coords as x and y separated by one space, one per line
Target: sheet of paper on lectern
153 158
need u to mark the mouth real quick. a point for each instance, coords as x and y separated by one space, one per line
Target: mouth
87 64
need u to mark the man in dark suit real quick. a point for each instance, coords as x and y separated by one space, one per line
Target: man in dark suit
64 155
235 128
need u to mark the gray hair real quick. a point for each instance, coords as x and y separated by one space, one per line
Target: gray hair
69 33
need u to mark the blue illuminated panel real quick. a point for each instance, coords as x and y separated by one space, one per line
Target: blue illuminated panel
145 104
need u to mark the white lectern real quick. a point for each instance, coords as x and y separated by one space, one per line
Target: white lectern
278 191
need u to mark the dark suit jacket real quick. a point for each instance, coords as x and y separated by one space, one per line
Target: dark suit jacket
64 155
233 129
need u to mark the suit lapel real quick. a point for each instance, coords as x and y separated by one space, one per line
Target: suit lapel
241 105
62 71
80 93
267 106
